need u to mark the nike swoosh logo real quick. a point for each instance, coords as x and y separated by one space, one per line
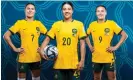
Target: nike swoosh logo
25 29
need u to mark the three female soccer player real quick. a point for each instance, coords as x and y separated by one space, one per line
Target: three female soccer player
67 32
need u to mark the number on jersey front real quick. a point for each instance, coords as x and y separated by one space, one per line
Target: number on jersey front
100 39
66 41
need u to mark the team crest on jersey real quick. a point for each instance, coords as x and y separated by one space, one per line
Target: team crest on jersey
106 30
74 32
38 29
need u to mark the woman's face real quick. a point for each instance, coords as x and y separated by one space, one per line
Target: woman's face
30 10
101 13
67 11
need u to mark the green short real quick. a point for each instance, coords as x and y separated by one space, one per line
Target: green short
63 74
97 67
24 67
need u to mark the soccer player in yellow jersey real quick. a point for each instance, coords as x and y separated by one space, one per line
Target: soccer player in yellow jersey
29 30
67 33
102 32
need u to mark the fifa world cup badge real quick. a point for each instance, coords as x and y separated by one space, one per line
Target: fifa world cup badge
106 30
74 32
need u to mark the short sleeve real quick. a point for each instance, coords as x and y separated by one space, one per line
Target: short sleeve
89 30
116 28
43 29
82 33
15 28
51 33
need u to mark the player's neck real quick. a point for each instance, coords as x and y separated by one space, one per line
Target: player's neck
68 20
101 20
29 19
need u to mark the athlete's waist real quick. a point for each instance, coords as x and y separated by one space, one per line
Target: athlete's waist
100 61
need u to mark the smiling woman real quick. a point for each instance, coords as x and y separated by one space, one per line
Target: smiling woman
30 11
102 32
101 13
29 30
67 9
67 32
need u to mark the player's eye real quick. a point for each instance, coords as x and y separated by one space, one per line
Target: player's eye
97 11
64 9
32 9
102 11
69 8
28 8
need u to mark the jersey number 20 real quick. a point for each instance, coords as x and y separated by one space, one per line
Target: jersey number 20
66 41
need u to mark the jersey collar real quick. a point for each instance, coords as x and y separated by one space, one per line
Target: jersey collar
71 21
104 21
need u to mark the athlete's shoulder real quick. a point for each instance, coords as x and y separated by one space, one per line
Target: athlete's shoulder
58 22
37 21
93 22
21 21
78 22
110 21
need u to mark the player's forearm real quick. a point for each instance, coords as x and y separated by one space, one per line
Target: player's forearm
83 50
88 42
9 42
45 43
123 38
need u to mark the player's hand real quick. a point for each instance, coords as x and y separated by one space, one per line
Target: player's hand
111 49
19 50
42 54
91 49
55 58
80 66
38 49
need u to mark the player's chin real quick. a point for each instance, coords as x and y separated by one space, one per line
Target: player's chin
100 18
30 16
67 17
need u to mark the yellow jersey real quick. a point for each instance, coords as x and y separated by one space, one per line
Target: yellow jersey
67 35
29 35
102 34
